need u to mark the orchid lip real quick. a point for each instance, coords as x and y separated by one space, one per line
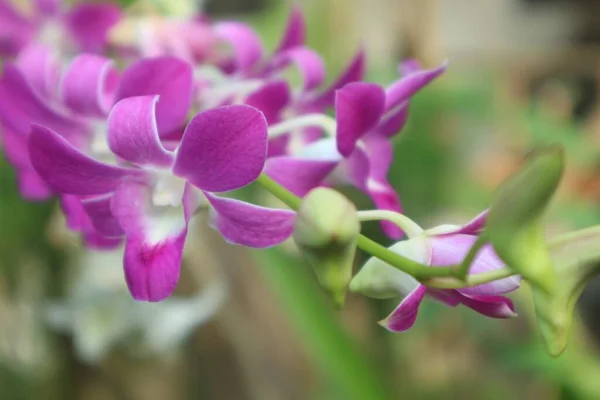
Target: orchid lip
168 189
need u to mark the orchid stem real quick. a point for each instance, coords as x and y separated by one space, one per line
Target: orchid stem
318 120
417 270
402 221
462 272
471 280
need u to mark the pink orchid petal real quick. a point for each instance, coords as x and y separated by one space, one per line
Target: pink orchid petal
89 85
14 146
475 226
133 134
353 72
155 240
223 148
250 225
245 43
89 24
405 315
309 64
67 170
94 240
32 187
295 31
358 107
79 221
393 122
411 83
299 175
40 68
490 306
101 217
20 106
169 77
452 249
76 217
16 31
48 8
271 99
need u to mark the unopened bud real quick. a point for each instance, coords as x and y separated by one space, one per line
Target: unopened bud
577 261
513 223
326 231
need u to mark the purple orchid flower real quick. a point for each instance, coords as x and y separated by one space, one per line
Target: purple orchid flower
76 104
152 196
361 153
85 24
441 246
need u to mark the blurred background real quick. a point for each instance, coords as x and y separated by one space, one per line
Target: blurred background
522 73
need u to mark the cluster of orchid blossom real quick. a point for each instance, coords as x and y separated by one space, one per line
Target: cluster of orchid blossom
185 112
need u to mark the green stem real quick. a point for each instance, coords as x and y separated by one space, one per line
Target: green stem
402 221
417 270
463 269
471 280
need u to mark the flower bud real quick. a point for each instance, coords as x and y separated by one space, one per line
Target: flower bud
514 220
577 260
326 231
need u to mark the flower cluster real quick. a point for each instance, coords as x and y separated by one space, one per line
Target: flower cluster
184 113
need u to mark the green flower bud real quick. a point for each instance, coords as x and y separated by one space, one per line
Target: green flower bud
576 257
326 231
513 223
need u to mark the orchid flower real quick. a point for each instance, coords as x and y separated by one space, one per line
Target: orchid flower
85 25
441 246
152 196
76 104
360 152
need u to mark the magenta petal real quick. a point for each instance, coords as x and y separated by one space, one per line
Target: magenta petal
32 187
246 45
411 83
89 85
310 65
169 77
353 72
490 306
100 214
152 269
223 148
16 31
48 7
248 224
40 68
405 315
69 171
393 122
20 106
271 99
295 32
358 108
132 132
299 175
155 240
89 24
452 249
475 226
